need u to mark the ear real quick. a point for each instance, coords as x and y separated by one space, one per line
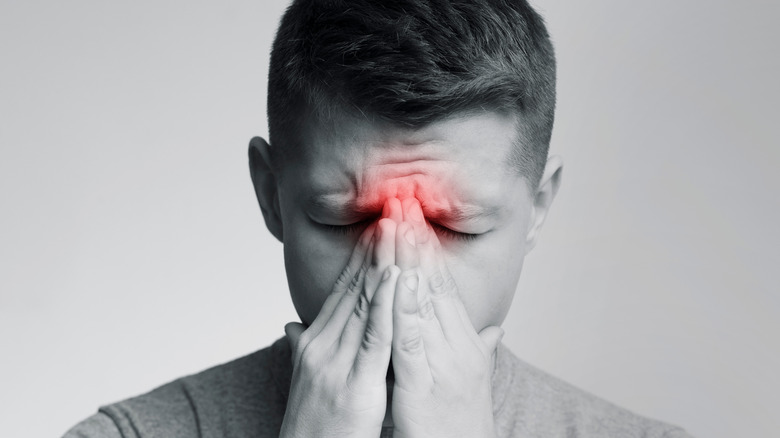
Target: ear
543 198
266 185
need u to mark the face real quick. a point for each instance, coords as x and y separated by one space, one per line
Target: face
479 206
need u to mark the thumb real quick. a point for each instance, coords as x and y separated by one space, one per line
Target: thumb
491 336
293 331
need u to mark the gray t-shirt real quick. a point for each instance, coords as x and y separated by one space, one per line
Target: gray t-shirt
247 398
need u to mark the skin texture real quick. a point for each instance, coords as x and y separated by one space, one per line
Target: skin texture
441 333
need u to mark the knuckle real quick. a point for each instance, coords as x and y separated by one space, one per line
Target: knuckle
372 338
442 286
309 361
437 284
345 277
449 286
411 344
426 310
362 306
357 281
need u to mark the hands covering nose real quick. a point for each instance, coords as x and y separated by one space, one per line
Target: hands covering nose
395 298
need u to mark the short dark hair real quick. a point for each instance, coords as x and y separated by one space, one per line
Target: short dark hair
414 62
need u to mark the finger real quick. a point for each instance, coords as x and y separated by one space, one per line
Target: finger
430 329
427 257
360 256
293 331
355 325
376 334
491 336
455 297
360 318
443 295
410 364
333 327
450 286
406 255
393 210
436 344
357 259
414 215
383 254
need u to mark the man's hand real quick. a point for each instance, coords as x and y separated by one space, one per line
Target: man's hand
442 366
340 362
411 312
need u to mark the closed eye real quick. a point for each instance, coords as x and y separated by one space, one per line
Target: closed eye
452 234
350 229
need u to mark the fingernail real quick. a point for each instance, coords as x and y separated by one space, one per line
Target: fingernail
411 282
415 212
409 235
387 274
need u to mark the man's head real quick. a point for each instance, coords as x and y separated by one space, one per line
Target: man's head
449 102
411 63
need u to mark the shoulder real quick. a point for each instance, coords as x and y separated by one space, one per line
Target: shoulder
535 403
99 425
239 398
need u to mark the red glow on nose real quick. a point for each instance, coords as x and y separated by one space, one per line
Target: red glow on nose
431 194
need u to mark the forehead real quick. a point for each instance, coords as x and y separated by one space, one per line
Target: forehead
455 162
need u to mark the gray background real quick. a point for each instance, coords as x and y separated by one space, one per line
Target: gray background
132 250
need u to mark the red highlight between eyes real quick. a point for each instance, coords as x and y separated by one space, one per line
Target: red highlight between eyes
436 207
431 195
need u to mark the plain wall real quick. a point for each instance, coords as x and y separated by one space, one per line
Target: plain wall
132 250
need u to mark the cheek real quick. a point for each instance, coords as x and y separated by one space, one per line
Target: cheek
487 275
313 262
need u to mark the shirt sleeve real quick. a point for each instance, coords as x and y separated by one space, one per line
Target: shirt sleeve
99 425
677 432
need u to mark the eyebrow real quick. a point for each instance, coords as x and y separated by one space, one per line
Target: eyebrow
351 208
